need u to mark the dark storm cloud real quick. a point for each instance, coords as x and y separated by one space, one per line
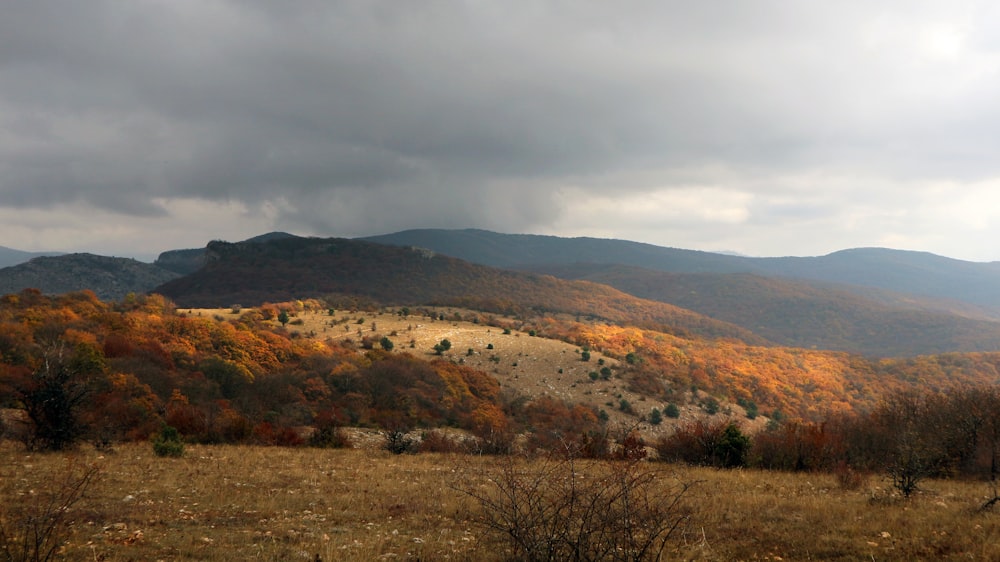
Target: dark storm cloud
361 117
222 101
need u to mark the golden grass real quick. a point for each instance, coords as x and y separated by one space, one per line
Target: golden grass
255 503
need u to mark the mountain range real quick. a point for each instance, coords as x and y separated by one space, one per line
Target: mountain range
916 273
10 256
873 301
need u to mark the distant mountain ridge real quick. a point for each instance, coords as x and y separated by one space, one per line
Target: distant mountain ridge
10 256
109 278
918 273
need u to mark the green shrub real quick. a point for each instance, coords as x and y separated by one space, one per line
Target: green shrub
732 447
168 443
442 346
655 418
711 406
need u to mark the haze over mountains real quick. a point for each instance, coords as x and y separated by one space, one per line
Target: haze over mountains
872 301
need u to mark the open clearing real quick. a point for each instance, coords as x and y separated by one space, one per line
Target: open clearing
229 503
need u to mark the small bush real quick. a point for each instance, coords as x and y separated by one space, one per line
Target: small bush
672 411
33 526
168 443
711 406
703 443
655 418
397 441
625 406
442 346
437 441
848 478
559 510
732 448
331 437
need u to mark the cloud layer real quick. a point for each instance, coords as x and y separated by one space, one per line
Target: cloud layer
764 127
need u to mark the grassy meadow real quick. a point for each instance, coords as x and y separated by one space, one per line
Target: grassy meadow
267 503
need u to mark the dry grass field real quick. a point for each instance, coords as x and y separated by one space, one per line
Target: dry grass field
252 503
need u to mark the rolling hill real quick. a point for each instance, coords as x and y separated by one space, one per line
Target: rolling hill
283 269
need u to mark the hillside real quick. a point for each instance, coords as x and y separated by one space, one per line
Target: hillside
918 273
806 314
292 268
523 365
109 278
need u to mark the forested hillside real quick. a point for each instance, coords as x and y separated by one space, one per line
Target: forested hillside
109 278
805 314
364 272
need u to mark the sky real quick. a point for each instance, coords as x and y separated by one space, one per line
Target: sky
767 128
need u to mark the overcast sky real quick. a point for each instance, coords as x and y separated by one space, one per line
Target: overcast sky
763 127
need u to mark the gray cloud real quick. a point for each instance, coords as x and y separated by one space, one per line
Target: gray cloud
349 118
